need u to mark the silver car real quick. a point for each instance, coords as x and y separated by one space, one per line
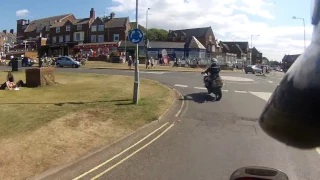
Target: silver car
65 61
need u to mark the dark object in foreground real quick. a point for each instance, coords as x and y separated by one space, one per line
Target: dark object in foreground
258 173
292 113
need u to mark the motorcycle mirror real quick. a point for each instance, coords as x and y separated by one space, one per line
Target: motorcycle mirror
292 113
258 173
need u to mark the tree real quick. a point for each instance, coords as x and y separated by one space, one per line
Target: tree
274 63
157 34
134 25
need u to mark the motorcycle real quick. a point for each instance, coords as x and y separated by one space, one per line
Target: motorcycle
216 88
258 173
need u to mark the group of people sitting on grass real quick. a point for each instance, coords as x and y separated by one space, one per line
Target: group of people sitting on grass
10 83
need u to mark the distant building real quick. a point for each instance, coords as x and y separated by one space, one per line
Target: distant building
7 40
63 32
288 60
204 35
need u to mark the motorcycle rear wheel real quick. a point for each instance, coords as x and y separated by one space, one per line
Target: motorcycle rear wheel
218 94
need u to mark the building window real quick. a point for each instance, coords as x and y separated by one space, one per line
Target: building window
210 38
60 38
68 28
47 28
116 37
54 39
67 38
79 27
24 27
93 38
57 29
174 39
39 29
93 28
78 37
100 38
101 28
182 38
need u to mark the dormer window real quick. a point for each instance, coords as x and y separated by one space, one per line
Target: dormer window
68 28
39 29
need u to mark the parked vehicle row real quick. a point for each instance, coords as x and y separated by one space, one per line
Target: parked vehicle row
63 61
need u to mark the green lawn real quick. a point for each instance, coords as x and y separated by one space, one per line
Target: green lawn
43 127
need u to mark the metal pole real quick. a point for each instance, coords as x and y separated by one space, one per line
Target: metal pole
304 33
136 70
146 45
251 41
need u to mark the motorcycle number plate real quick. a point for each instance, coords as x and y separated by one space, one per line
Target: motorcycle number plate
219 83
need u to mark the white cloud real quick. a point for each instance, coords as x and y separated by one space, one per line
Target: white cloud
227 25
22 13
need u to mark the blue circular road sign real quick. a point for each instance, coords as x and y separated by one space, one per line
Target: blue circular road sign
136 36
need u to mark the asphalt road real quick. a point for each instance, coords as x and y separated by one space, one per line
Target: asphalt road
209 140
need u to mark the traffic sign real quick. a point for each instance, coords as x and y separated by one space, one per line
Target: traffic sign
136 36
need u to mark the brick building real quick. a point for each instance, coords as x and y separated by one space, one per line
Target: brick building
64 32
204 35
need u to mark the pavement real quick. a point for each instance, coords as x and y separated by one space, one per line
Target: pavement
204 139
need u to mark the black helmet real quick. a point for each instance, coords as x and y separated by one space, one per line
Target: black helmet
291 114
213 62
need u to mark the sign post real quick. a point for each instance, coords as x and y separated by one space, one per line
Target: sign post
135 37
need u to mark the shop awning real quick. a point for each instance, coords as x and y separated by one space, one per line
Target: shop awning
96 45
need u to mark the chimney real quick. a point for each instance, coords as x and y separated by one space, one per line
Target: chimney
92 14
11 31
112 15
4 31
28 21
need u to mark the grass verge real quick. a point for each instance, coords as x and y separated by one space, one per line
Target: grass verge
41 128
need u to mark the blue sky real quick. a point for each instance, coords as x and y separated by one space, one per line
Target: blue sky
282 9
230 21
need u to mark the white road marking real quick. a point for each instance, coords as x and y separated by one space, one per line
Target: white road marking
146 72
270 81
104 163
263 95
180 85
200 88
135 152
233 78
224 90
318 150
241 92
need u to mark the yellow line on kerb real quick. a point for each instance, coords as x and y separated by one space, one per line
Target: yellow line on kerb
104 163
126 158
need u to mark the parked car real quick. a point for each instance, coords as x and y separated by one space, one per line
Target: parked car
26 61
253 69
65 61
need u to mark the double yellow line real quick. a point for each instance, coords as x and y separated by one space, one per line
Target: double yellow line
122 152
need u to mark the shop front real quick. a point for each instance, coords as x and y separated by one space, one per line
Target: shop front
172 53
96 49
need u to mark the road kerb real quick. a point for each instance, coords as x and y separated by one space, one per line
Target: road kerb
142 130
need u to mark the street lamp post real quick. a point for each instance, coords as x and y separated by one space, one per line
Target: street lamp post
147 37
136 70
304 30
251 39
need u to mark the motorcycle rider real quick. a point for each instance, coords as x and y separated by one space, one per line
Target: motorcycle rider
291 114
213 71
